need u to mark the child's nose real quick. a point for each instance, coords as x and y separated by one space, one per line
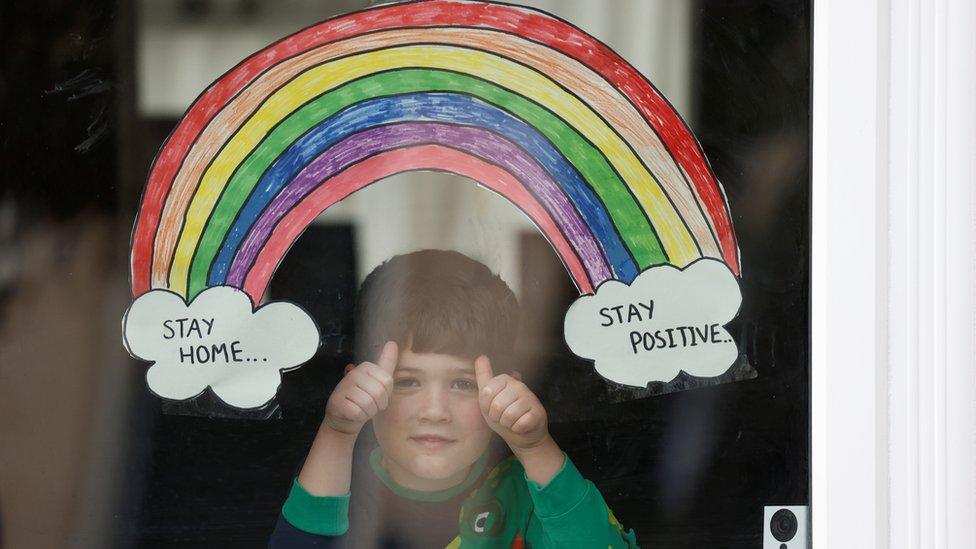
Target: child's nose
434 406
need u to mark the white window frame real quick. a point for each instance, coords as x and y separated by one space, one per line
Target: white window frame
894 274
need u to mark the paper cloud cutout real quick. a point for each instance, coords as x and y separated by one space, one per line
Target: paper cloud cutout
667 320
218 341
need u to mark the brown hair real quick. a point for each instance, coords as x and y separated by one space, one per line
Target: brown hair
437 301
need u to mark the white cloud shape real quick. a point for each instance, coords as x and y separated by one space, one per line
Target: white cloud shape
217 341
665 321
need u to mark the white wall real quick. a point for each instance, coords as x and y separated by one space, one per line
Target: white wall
894 285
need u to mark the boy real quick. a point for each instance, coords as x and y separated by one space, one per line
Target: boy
441 324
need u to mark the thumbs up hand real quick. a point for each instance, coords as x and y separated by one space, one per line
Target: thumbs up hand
362 393
510 408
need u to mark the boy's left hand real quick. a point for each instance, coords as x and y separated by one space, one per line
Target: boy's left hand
511 409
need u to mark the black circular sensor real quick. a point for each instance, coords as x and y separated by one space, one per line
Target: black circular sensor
783 525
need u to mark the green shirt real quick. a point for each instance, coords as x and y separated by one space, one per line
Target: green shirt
504 510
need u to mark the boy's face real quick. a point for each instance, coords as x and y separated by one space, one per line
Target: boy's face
433 430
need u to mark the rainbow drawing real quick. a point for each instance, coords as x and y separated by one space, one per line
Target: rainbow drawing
523 102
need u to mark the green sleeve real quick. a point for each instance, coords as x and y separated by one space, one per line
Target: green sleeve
322 515
570 512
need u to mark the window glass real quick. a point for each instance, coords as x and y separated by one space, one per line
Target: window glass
93 95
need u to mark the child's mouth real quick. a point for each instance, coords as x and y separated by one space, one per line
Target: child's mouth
431 442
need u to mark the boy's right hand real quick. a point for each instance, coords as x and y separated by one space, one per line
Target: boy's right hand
362 393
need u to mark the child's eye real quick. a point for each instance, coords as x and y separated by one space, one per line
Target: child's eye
405 383
465 385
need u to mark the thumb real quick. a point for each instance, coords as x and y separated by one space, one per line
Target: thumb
482 371
388 357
